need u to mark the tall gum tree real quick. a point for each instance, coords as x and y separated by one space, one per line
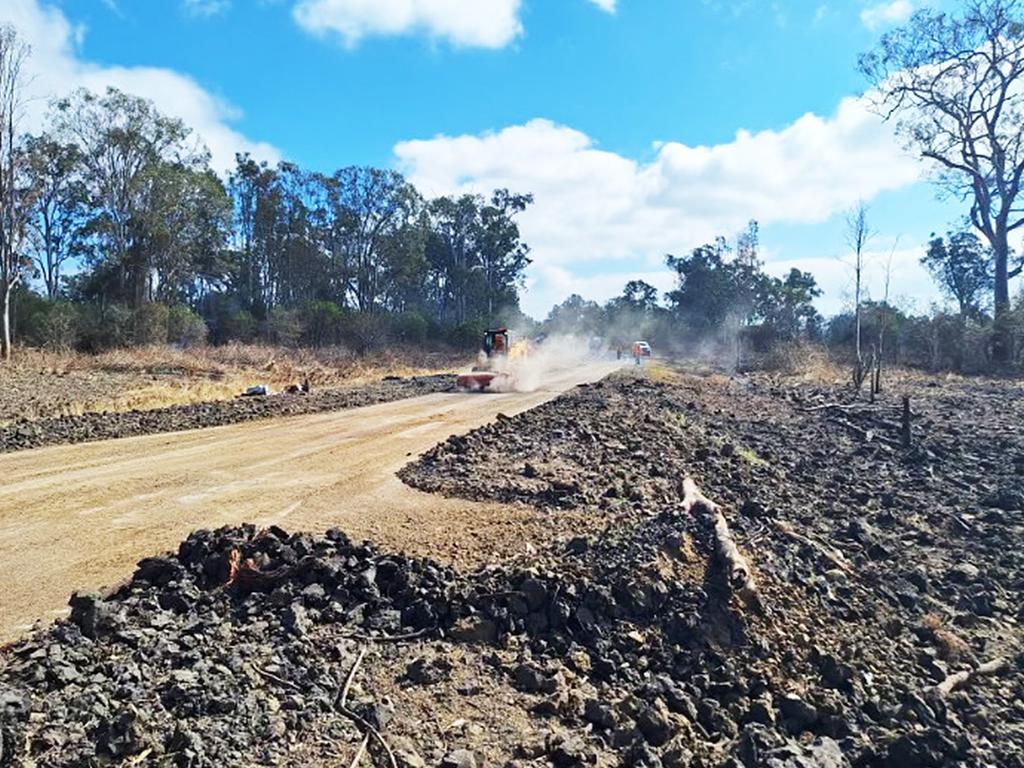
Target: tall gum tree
953 84
14 193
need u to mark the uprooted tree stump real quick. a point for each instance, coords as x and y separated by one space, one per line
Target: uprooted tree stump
735 565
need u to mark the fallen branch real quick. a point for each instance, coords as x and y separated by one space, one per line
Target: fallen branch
961 679
834 556
827 406
740 579
371 731
391 638
868 435
343 696
361 751
275 678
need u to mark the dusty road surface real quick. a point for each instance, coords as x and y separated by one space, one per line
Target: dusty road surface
80 516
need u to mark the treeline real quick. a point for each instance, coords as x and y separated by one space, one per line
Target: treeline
723 305
134 239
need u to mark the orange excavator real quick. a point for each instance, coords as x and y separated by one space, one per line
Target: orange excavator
492 370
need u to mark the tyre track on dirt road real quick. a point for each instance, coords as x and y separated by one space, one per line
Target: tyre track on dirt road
80 516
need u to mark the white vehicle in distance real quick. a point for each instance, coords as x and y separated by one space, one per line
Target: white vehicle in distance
641 349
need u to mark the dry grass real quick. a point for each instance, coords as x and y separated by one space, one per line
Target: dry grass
950 647
808 363
46 384
278 364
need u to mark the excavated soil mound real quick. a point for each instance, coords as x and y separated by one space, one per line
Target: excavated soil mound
884 570
105 426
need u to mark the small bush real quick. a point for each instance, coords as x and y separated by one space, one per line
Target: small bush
410 328
364 332
59 327
238 326
185 327
320 322
150 324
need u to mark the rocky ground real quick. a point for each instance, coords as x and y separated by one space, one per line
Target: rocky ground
103 426
882 573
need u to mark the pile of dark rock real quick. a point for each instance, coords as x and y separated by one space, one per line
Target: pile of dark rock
181 667
927 582
106 426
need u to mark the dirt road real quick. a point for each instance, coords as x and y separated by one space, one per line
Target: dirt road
80 516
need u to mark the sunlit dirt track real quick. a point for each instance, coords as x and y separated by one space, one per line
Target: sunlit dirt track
80 516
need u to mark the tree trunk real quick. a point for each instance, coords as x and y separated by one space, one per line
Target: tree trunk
1001 339
5 339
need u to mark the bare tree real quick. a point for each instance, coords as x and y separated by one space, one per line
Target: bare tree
13 203
858 233
876 378
954 85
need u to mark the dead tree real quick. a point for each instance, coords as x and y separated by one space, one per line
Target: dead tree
905 423
951 83
857 235
876 377
740 579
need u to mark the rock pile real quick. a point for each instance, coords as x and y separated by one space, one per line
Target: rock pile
186 669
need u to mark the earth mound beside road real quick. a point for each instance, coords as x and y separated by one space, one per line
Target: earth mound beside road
106 426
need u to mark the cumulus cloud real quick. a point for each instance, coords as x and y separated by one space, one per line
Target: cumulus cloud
56 68
605 5
598 210
471 23
885 14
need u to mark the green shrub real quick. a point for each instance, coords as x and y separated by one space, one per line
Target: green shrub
410 328
468 335
59 326
321 321
238 326
150 323
365 331
185 327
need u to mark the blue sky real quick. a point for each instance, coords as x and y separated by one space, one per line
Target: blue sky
642 126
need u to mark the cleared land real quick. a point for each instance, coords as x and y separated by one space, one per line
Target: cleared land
589 624
45 385
77 517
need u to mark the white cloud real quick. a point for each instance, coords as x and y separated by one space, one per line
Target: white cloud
885 14
910 286
605 5
596 210
56 68
472 23
206 7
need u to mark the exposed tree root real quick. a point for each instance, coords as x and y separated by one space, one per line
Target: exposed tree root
741 581
960 679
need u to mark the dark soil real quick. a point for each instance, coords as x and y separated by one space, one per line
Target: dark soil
930 533
104 426
620 648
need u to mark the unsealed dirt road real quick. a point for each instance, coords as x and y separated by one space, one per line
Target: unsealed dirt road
80 516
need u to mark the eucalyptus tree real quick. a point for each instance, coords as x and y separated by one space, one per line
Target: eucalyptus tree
15 193
58 225
124 142
953 85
